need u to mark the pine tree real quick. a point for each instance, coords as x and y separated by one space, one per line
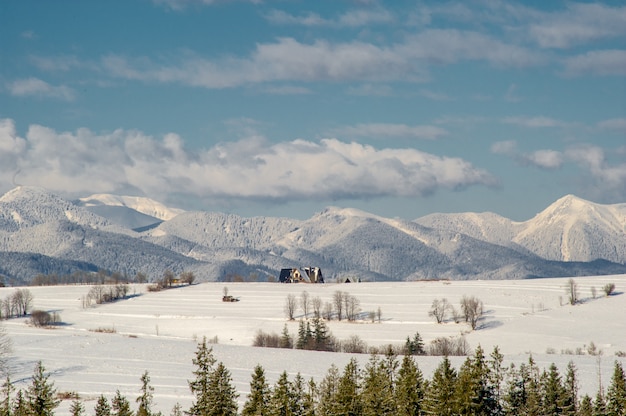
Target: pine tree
616 393
302 341
570 391
222 394
103 408
348 398
497 373
409 390
599 404
327 392
177 410
474 394
77 408
586 406
439 398
320 335
41 394
415 346
203 362
146 398
280 401
7 390
20 406
120 405
300 403
285 339
377 394
257 401
553 392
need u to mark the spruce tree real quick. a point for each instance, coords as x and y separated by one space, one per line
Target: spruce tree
285 339
348 399
177 410
103 408
377 395
280 401
599 404
20 405
497 373
41 394
222 395
439 398
203 362
7 390
586 406
146 398
320 335
409 389
120 405
616 393
327 392
553 392
570 391
302 340
300 403
77 408
474 393
257 401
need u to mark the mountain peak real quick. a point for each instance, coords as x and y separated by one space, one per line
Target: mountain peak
143 205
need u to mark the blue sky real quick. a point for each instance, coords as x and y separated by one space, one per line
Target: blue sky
400 108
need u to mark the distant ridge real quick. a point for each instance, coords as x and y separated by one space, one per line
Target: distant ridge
571 237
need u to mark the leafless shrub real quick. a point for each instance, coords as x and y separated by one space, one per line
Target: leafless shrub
316 303
438 309
105 330
290 306
41 318
571 289
449 346
327 312
305 303
352 306
354 345
608 289
263 339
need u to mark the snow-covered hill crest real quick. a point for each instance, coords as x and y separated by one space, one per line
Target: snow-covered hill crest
146 206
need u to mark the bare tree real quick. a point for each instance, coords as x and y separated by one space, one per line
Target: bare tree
352 307
316 302
22 300
225 291
290 306
572 291
472 310
438 309
338 302
305 303
187 277
327 312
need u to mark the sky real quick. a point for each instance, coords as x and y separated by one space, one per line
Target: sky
281 108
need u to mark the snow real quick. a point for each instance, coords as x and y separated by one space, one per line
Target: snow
158 332
144 205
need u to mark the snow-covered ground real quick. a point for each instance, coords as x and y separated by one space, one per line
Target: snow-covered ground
158 332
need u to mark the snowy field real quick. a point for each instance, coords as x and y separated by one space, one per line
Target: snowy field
158 331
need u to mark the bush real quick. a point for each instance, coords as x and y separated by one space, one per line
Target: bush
449 346
608 289
354 345
40 318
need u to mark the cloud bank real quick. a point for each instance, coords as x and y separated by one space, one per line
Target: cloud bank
83 162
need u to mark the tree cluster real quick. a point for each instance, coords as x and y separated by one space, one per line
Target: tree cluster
387 385
342 306
472 311
17 304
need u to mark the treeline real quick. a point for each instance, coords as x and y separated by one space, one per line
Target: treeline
81 277
387 385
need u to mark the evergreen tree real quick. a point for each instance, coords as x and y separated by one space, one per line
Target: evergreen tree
586 406
7 390
285 339
177 410
496 375
320 335
570 391
474 395
599 404
553 392
439 398
415 346
409 389
120 405
146 398
280 401
377 395
300 404
257 401
77 408
20 406
41 394
302 340
103 408
327 392
616 393
222 394
203 362
348 399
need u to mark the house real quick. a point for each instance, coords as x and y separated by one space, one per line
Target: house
301 275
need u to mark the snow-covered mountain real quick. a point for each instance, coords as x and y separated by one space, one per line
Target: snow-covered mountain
570 229
38 227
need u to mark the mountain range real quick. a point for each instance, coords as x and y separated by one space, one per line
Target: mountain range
42 233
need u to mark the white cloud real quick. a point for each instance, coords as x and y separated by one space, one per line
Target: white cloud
35 87
580 23
543 159
534 122
182 4
380 90
382 130
506 147
286 90
617 124
252 168
602 62
352 18
608 177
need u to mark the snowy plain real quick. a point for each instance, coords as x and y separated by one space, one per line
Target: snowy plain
158 332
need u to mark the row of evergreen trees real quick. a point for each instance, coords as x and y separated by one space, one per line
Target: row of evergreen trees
387 385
